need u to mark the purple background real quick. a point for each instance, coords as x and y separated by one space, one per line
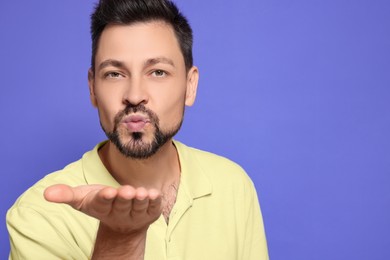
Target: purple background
296 91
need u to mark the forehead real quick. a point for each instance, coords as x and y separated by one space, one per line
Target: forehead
139 41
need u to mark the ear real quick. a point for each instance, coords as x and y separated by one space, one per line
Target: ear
91 85
192 86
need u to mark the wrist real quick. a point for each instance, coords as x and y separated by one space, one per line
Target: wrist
119 244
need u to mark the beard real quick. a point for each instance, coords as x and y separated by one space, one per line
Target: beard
137 147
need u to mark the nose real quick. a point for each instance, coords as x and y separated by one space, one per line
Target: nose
135 93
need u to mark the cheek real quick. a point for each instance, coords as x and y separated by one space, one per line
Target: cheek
107 111
172 111
106 118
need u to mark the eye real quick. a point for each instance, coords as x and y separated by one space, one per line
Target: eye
112 75
159 73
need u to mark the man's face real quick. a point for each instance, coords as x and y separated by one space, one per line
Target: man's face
140 86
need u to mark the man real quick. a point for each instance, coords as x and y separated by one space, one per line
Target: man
140 195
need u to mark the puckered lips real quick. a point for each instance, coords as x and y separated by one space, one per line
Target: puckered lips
136 122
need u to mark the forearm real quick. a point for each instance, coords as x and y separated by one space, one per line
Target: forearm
125 215
115 245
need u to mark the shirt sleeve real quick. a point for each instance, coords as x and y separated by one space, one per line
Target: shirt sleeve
35 236
255 245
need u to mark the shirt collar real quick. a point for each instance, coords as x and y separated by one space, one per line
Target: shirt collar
192 174
94 170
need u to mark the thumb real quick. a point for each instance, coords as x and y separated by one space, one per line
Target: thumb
59 193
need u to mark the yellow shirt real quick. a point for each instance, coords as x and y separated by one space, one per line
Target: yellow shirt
216 214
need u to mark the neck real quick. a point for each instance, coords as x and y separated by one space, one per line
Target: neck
157 171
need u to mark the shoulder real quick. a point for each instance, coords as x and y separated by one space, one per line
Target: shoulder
38 228
34 218
217 168
73 175
214 162
33 197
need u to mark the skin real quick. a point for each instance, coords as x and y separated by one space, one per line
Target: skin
135 64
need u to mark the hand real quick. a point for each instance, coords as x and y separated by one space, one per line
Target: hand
124 210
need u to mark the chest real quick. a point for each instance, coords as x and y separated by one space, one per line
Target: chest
169 200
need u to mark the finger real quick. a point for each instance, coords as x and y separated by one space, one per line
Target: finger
101 202
140 202
59 193
155 203
124 200
106 194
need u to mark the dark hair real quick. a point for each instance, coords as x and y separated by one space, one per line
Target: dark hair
132 11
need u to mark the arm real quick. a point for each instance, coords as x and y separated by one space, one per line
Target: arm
124 213
36 233
255 242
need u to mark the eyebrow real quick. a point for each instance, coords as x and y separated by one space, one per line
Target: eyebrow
149 62
153 61
111 62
